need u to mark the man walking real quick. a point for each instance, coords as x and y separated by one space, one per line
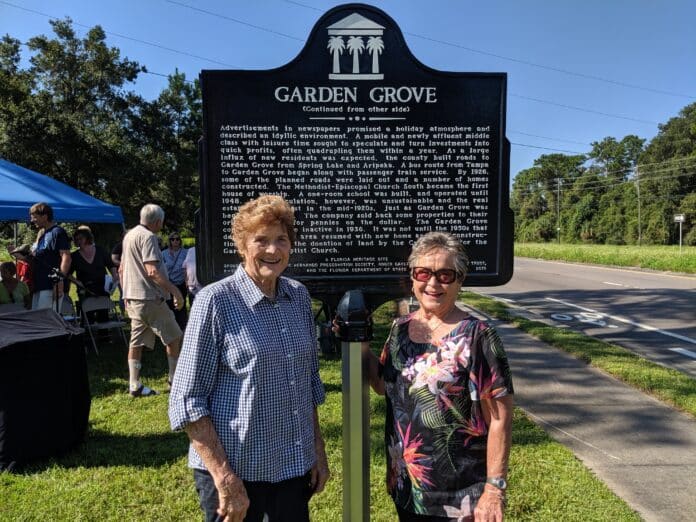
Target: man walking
51 252
146 288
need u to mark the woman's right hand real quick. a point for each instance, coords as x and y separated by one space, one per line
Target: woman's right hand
233 498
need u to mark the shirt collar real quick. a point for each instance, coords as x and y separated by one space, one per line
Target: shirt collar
252 294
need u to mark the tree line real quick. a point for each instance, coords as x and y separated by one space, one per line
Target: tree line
69 115
622 192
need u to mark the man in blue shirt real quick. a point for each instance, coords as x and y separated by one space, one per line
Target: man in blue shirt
51 251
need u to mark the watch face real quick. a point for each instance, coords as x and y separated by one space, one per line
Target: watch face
498 482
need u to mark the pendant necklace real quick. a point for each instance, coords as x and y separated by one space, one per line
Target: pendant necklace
431 329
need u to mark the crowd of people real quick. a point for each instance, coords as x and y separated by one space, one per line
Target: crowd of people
244 369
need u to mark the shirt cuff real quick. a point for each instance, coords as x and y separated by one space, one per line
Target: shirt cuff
318 393
185 410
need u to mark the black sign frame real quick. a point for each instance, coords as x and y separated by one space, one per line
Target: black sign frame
277 98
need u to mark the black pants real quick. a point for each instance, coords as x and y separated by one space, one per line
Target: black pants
180 315
285 501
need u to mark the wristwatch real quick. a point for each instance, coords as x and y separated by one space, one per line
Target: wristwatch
498 482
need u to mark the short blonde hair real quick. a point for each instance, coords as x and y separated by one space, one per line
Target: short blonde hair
264 210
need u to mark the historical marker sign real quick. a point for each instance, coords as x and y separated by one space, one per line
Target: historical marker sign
372 148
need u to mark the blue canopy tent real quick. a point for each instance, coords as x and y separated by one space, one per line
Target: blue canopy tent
20 188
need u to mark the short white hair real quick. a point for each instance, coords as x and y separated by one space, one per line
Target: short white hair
151 213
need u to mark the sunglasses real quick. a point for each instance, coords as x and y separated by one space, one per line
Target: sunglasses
174 239
444 276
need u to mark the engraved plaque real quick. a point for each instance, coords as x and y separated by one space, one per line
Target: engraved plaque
372 148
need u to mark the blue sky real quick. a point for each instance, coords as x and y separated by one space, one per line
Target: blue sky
647 44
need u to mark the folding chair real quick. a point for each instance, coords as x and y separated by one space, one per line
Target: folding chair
67 311
91 304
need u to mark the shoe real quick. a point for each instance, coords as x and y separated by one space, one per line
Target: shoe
142 391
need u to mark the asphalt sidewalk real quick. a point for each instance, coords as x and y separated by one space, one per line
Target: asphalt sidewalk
640 448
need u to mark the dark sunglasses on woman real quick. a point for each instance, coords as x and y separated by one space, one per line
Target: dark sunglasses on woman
444 276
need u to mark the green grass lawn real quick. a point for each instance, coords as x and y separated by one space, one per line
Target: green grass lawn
132 467
652 257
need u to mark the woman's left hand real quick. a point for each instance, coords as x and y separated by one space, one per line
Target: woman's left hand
490 506
320 471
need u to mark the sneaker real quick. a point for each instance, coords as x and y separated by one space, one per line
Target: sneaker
142 391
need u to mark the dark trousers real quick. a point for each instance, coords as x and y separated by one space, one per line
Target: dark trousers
180 315
285 501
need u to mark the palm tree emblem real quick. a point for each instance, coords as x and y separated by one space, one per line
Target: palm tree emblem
351 33
336 47
375 46
356 46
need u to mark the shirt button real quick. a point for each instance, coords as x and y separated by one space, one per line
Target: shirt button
276 305
283 330
292 383
289 356
294 412
298 443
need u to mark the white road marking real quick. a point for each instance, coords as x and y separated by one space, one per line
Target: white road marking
682 351
627 321
547 423
613 284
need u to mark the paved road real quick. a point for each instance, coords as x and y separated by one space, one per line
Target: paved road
651 313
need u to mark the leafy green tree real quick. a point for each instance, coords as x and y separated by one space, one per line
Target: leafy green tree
535 194
70 115
668 176
173 124
688 208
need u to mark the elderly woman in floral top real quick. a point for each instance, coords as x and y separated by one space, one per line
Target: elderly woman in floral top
449 398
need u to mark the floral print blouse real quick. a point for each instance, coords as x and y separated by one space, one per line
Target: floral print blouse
435 431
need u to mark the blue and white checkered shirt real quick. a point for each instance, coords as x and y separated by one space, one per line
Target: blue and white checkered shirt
251 364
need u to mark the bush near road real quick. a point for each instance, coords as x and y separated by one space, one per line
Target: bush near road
665 258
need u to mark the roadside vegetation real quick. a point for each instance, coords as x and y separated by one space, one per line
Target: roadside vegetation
669 386
654 257
132 467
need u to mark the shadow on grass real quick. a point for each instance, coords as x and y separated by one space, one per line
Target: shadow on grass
332 387
104 449
108 371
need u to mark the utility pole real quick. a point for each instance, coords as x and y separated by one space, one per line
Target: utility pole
637 176
558 209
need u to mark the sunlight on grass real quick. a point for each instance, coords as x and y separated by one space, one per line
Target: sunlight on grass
132 467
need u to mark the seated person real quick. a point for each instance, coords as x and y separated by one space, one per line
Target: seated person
90 263
22 258
11 289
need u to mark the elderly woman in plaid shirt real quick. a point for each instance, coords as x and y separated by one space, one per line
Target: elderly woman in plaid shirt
247 386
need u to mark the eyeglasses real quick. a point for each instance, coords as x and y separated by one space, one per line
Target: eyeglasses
174 239
444 276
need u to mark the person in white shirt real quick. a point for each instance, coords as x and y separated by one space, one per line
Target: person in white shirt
189 267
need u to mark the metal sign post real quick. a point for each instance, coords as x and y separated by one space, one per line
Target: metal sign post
355 330
679 218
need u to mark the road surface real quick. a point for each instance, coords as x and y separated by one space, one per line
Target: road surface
650 313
